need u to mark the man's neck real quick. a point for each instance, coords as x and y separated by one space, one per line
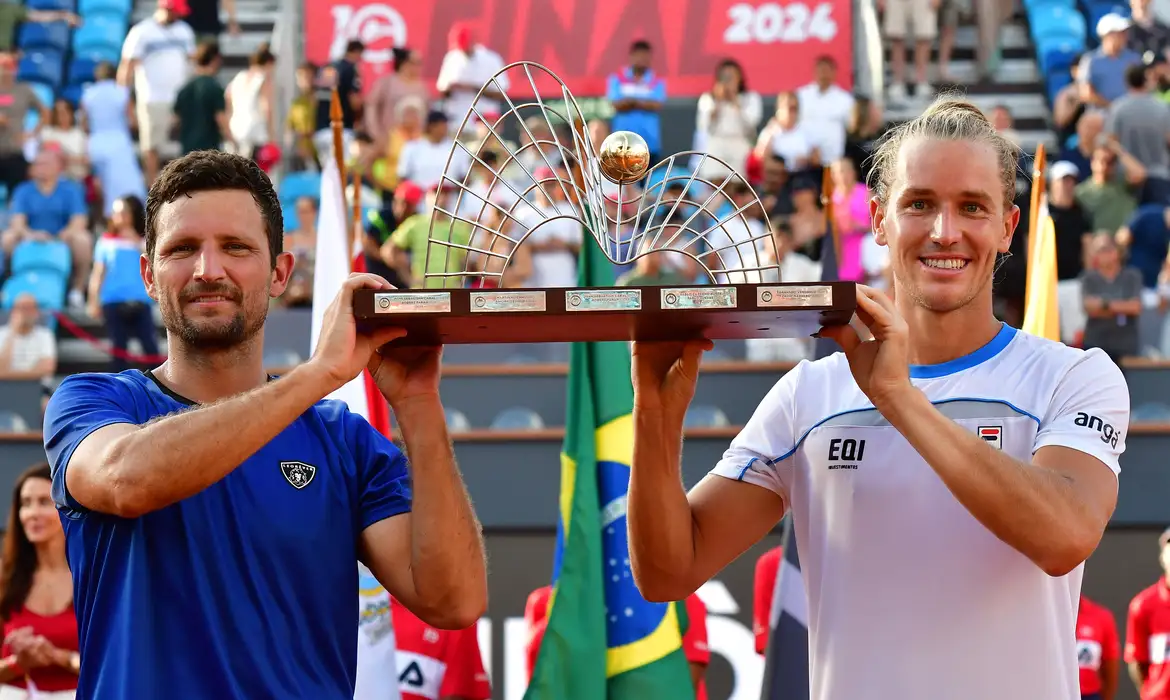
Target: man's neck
47 185
823 87
204 377
937 337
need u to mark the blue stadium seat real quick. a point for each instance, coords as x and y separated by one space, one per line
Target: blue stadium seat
48 289
1057 82
52 257
700 416
1034 6
45 66
100 32
85 8
44 93
1056 56
456 420
72 94
517 418
44 35
297 185
11 422
67 5
80 71
99 52
1059 22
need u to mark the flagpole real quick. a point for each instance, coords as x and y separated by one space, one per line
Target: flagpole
337 124
827 204
1039 165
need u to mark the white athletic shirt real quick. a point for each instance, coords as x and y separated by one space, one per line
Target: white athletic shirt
377 669
909 596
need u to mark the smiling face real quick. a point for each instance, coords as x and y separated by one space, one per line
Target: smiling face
212 272
38 515
945 221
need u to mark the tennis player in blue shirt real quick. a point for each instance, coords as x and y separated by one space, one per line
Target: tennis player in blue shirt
214 516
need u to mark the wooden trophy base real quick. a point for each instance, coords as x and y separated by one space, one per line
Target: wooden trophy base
716 312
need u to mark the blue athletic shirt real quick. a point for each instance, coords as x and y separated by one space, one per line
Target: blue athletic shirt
247 590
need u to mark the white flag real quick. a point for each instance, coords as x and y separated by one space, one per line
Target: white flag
377 671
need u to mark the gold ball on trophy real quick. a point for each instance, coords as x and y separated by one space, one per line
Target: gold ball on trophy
624 157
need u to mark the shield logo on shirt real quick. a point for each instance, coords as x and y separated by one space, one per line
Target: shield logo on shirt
298 474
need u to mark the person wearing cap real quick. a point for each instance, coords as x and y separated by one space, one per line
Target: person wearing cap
467 67
1102 71
156 56
1098 651
415 240
1147 634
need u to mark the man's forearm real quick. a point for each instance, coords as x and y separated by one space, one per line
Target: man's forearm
1020 503
178 456
447 555
658 514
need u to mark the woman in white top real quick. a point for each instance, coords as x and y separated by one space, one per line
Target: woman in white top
64 131
249 103
784 136
728 117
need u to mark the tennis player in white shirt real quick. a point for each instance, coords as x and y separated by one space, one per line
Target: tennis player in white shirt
947 477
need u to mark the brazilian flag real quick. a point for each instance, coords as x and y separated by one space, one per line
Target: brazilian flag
603 640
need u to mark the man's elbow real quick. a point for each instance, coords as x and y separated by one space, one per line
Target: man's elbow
1065 555
659 588
457 614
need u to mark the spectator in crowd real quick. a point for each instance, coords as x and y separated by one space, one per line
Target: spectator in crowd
916 21
204 18
1001 118
1110 195
826 109
637 94
156 55
27 349
554 243
52 207
63 130
36 594
1112 294
434 663
865 128
807 220
380 224
774 188
1073 229
13 12
106 107
117 295
791 265
1141 124
302 120
200 106
763 590
949 14
407 248
344 75
851 214
1089 134
467 68
423 160
1098 651
726 121
1102 70
790 138
1146 632
302 243
659 267
739 240
408 126
381 115
1067 107
1146 239
1147 36
17 99
249 102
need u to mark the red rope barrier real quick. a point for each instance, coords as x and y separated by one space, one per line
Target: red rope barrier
104 345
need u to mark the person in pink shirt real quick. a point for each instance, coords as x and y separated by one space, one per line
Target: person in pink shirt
851 211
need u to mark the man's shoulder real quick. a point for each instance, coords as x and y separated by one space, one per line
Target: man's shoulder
1147 599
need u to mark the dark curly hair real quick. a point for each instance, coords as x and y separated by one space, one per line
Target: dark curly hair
209 171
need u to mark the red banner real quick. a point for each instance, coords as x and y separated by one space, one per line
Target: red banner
584 41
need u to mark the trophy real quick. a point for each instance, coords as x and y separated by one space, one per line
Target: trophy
525 185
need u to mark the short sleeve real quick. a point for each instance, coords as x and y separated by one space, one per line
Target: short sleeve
132 46
383 479
1133 283
763 591
1089 411
20 199
761 453
82 404
1137 633
406 161
188 38
103 252
1083 69
465 677
449 71
1090 286
694 642
76 197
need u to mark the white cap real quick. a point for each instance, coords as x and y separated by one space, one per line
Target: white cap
1111 23
1063 168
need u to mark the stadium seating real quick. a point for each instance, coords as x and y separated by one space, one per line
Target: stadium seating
100 37
44 35
518 418
65 5
48 289
41 268
44 65
122 8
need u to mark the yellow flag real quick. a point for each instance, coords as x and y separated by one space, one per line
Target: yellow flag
1041 315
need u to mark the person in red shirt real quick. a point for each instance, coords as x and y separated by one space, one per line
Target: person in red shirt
1147 638
435 664
36 593
767 568
694 642
1098 651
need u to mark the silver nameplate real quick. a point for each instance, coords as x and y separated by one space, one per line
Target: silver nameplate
489 302
603 300
412 303
794 296
699 298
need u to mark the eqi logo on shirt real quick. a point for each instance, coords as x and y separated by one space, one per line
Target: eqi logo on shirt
1108 432
845 450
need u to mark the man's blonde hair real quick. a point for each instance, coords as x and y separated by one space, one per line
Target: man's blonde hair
949 118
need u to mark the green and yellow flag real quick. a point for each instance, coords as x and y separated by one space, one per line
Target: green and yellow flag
603 641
